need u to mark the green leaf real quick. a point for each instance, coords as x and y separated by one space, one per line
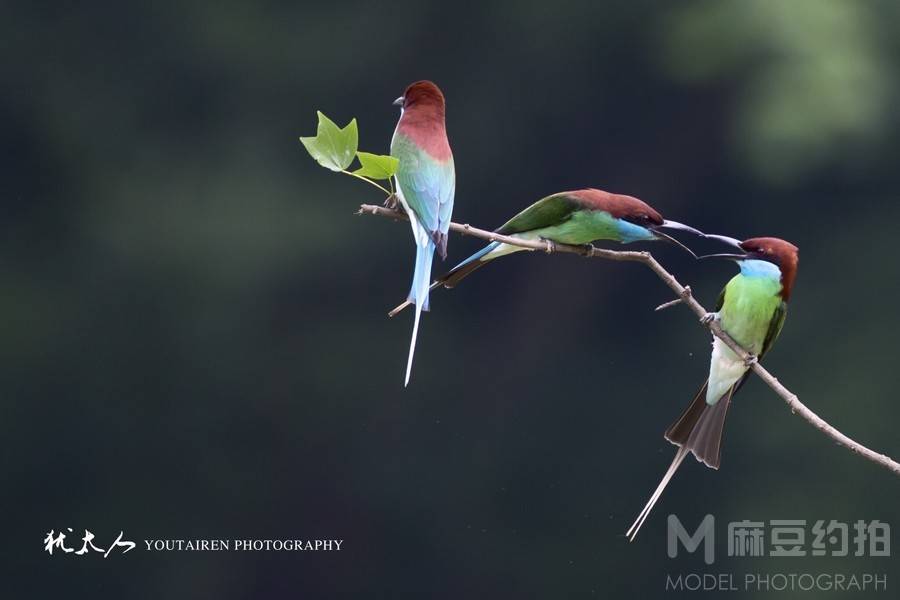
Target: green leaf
333 147
376 166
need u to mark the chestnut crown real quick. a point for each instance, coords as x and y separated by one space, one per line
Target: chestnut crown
421 93
783 254
620 206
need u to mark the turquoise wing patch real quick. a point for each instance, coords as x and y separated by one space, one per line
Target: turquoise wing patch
428 185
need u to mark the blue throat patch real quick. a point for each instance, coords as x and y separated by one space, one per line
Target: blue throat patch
759 268
629 232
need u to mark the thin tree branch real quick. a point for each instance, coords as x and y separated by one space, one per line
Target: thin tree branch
684 296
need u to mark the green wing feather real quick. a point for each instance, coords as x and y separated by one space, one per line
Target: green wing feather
775 326
721 301
546 212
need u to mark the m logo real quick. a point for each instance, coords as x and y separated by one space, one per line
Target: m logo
705 533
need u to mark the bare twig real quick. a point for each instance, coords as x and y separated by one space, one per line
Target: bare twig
671 303
684 297
668 304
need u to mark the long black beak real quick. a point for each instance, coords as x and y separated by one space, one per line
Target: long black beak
681 227
662 236
398 101
724 238
727 240
725 255
677 227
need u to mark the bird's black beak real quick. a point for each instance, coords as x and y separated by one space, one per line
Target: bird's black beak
726 256
677 227
668 238
731 242
725 239
398 101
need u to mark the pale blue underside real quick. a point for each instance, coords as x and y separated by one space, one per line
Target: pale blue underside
426 187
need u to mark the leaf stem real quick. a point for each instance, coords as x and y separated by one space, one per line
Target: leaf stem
367 180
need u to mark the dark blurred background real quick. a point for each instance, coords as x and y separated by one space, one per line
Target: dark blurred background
194 337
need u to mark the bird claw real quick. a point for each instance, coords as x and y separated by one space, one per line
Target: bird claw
709 318
751 360
391 202
551 246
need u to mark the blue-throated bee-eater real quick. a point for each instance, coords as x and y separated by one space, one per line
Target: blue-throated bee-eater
575 217
751 309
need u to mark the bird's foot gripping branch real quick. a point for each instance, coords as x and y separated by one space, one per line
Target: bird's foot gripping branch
685 297
708 318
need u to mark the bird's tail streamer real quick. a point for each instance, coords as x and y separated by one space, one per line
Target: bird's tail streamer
698 430
463 269
676 462
418 295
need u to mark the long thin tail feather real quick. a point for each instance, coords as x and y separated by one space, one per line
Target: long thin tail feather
399 308
670 472
451 278
418 294
454 275
699 431
460 271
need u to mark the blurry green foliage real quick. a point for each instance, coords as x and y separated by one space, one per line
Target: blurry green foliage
809 78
